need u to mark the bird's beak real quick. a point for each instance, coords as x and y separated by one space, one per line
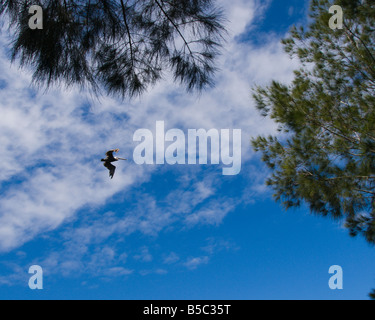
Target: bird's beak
122 159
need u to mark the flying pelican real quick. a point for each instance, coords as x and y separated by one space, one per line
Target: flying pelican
108 161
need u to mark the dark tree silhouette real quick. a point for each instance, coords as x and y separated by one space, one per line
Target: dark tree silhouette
372 295
121 46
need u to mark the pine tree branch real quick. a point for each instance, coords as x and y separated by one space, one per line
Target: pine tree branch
359 38
365 191
129 34
175 26
351 177
347 31
355 155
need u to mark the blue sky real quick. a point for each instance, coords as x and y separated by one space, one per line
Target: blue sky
161 231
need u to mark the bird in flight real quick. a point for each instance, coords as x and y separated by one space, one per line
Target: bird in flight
108 161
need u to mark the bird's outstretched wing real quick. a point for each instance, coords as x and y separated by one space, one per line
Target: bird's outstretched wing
109 153
111 169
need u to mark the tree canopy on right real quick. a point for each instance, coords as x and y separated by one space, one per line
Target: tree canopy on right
325 154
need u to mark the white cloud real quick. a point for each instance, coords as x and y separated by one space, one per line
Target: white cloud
171 258
215 245
194 263
118 271
144 255
213 214
241 13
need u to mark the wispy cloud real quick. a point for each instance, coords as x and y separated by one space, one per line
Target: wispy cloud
171 258
195 262
144 255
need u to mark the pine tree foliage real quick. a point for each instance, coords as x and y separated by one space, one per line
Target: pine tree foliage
121 46
325 154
